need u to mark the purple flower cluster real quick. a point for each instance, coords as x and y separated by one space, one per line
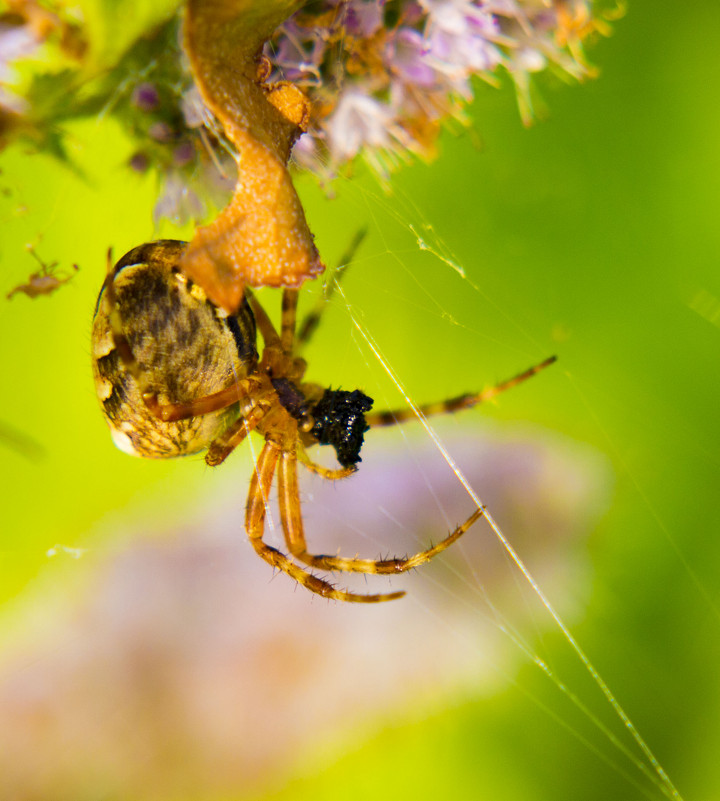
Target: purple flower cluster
384 74
382 77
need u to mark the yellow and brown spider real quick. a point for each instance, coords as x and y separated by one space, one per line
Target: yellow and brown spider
176 374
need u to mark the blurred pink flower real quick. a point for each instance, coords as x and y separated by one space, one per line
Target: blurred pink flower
183 669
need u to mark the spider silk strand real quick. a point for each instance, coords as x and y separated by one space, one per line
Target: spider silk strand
667 785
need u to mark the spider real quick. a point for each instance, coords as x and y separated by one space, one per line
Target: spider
176 374
45 281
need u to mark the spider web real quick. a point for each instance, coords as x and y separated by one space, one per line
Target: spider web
630 755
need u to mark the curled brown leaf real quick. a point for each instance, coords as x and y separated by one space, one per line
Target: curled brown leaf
261 238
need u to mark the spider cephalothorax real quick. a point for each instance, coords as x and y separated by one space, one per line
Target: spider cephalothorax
177 374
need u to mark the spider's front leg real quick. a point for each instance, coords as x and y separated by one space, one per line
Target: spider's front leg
221 447
171 412
452 405
258 494
321 470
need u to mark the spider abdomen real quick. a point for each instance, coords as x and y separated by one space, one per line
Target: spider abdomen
178 346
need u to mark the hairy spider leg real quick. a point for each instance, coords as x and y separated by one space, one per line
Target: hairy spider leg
170 412
291 516
311 321
285 451
235 434
260 485
391 418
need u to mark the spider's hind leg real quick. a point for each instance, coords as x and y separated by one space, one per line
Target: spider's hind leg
255 523
289 500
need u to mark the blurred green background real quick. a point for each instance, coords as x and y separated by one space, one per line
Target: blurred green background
593 235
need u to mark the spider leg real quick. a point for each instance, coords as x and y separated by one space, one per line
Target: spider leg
289 314
267 329
169 412
288 498
312 318
320 470
255 523
391 418
222 446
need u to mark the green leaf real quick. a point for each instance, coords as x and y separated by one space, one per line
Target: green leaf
112 26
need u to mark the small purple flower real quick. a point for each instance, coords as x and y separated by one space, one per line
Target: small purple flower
190 190
460 38
178 203
306 153
507 8
16 42
195 112
364 17
161 132
145 97
528 59
183 154
299 53
407 57
358 120
139 162
413 13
